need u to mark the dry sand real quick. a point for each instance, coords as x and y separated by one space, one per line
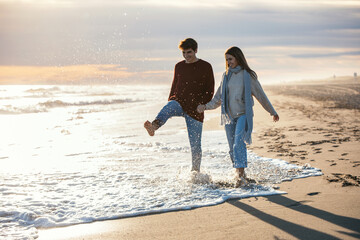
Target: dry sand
319 125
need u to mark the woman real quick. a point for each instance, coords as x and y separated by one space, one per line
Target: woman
238 85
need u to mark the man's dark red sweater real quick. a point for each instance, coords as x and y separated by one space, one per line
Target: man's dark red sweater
193 84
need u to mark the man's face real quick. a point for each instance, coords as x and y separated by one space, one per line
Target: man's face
189 55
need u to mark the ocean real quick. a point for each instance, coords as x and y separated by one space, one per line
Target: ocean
78 154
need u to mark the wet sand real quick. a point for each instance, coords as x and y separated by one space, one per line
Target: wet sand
319 125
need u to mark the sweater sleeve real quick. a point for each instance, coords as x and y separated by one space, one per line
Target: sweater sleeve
216 101
173 86
260 95
209 85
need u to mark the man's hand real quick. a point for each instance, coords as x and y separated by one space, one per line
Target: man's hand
201 108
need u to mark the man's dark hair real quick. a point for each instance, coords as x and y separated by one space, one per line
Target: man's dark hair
188 43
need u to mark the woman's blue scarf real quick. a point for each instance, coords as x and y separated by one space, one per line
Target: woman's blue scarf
226 117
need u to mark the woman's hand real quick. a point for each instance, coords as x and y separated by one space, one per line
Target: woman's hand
276 118
201 108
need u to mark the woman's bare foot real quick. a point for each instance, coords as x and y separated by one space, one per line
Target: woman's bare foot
150 128
241 182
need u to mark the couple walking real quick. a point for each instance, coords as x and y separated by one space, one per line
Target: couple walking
192 93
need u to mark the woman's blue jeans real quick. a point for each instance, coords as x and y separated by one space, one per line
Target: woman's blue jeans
194 128
238 152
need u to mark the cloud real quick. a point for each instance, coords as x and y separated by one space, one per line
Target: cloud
326 55
142 36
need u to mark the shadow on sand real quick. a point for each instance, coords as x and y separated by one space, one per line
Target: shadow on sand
297 230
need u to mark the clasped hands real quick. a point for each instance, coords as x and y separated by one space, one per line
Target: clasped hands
201 108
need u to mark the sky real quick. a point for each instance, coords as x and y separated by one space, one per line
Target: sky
136 41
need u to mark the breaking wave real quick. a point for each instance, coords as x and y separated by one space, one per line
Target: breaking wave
45 106
59 103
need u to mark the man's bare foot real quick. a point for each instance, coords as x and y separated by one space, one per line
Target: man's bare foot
150 128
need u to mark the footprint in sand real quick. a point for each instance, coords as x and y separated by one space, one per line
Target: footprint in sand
313 193
357 163
345 179
317 150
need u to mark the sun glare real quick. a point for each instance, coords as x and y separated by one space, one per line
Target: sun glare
74 74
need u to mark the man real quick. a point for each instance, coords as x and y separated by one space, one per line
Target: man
193 84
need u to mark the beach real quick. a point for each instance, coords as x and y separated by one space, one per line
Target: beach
80 81
318 127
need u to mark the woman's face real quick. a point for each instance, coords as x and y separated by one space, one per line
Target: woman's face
231 61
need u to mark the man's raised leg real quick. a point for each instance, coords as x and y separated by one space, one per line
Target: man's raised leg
171 109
